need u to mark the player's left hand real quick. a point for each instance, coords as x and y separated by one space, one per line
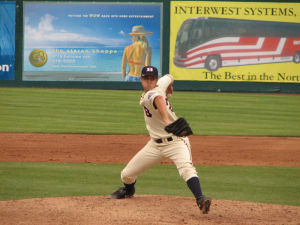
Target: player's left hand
179 127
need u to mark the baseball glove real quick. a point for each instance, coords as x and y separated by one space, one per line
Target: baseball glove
179 127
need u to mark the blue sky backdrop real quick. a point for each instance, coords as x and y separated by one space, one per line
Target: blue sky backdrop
7 40
89 24
7 27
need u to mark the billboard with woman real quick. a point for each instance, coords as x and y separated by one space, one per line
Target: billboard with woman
82 41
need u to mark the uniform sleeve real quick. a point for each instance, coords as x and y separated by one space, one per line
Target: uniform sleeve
151 96
164 82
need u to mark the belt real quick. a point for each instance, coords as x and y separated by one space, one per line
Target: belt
161 140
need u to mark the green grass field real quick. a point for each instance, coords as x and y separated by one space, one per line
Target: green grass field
118 112
279 185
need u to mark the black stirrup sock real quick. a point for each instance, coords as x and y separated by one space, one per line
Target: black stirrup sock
194 185
129 187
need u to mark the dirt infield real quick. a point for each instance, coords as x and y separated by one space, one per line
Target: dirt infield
206 150
144 209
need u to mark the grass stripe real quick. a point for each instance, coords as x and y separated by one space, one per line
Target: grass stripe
278 185
116 111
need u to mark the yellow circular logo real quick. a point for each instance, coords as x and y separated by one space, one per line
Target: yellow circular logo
38 57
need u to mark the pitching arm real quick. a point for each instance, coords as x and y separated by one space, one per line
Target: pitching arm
160 103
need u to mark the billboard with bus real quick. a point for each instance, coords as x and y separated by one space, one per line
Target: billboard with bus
235 46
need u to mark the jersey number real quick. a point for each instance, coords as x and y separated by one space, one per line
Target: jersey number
147 112
169 104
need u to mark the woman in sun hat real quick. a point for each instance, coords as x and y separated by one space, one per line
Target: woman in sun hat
137 55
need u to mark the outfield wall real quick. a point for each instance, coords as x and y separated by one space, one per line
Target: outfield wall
78 48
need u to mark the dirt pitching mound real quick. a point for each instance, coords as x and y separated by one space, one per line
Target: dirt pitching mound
142 210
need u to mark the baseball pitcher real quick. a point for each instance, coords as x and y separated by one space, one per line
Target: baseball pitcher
168 139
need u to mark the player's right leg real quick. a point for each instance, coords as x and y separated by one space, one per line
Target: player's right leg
144 159
180 153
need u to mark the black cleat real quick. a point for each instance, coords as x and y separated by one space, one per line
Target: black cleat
204 204
122 193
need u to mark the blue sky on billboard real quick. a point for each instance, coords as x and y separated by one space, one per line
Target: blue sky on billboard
89 25
7 27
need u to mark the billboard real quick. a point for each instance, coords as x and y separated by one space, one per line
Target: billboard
7 40
235 41
79 41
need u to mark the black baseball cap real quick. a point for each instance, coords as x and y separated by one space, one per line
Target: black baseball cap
149 71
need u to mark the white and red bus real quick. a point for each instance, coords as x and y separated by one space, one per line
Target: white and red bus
212 43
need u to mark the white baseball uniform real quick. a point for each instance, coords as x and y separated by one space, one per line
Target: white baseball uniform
161 144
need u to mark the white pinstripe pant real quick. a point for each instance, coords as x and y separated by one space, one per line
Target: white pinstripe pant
178 150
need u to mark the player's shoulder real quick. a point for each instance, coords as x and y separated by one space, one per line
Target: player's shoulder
149 96
152 93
